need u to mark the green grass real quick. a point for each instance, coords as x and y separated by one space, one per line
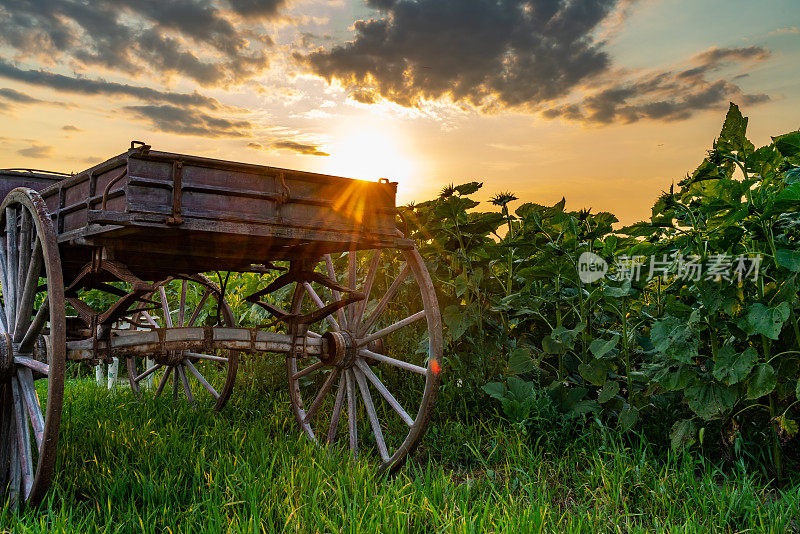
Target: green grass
130 466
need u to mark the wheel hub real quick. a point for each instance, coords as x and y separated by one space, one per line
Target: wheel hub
342 349
171 357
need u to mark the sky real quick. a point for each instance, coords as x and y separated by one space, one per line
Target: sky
604 102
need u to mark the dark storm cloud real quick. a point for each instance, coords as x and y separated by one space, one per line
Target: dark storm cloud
666 95
302 148
528 55
87 86
36 151
186 121
193 38
257 8
519 52
16 96
363 97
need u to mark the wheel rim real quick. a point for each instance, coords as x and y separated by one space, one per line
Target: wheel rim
197 377
32 346
356 399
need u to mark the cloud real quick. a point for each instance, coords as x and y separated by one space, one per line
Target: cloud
36 151
70 128
545 57
790 30
509 52
89 86
187 121
302 148
16 96
212 43
182 113
256 146
665 95
363 97
258 9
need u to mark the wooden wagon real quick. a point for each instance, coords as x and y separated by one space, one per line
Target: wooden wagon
141 229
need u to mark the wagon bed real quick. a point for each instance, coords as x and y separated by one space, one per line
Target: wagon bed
161 213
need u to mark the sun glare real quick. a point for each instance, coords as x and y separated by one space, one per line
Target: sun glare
370 154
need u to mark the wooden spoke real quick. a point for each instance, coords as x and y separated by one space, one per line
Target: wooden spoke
25 377
200 378
320 305
182 305
372 415
186 387
30 363
10 296
326 387
373 270
352 266
23 439
337 409
24 256
352 422
393 362
28 293
14 477
3 320
199 307
308 370
4 281
210 357
370 321
150 319
336 295
35 328
385 393
389 329
165 306
163 382
147 373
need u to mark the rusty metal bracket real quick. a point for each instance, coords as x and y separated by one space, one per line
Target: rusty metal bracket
177 192
86 276
302 272
122 175
299 332
285 191
140 145
307 318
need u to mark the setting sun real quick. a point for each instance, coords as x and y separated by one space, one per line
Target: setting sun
369 154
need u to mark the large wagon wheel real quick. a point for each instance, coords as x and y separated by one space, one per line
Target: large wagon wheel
188 301
32 347
378 382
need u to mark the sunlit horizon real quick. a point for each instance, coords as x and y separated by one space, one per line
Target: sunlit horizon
302 87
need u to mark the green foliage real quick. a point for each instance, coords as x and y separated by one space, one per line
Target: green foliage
721 351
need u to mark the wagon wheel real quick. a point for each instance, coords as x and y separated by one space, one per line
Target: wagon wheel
32 347
376 386
188 301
